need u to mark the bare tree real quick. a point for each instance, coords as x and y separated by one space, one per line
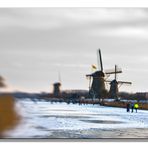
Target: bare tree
2 83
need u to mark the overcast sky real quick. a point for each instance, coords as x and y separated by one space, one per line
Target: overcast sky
38 43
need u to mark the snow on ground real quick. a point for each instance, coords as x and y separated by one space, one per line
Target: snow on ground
40 118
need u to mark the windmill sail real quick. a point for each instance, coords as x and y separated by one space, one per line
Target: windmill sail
112 71
124 82
99 60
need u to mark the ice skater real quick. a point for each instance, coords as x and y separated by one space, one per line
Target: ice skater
132 107
128 107
136 106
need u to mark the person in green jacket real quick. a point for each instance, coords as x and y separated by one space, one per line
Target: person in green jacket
136 106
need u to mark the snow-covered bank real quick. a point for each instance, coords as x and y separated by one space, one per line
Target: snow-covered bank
45 120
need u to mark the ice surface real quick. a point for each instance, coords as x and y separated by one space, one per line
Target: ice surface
40 118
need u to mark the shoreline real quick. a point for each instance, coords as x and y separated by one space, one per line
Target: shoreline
124 133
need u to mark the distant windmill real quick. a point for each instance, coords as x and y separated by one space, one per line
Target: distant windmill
56 86
97 87
114 86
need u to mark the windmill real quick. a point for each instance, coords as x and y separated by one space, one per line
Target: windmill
97 88
114 85
56 86
97 79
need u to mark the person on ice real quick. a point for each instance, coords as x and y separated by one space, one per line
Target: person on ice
128 107
136 106
132 107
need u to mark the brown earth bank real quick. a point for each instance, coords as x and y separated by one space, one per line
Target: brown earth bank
9 118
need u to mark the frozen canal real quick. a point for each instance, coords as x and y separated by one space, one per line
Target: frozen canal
60 120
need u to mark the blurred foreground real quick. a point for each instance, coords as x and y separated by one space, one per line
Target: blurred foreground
8 115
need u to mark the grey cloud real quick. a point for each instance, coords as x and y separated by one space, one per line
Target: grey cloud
37 18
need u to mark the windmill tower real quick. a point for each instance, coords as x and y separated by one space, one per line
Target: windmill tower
113 92
57 86
56 89
97 79
114 86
